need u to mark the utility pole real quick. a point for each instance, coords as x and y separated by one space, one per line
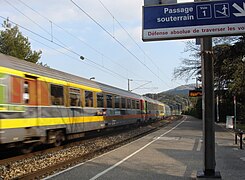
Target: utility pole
129 84
234 100
217 107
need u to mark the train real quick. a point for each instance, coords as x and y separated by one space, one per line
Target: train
41 105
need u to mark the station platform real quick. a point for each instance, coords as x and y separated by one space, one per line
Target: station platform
173 152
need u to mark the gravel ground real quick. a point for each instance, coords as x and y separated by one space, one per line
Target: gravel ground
16 169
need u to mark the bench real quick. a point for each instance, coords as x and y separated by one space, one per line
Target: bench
239 133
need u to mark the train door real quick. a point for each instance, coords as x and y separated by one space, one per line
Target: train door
30 100
143 105
146 111
77 123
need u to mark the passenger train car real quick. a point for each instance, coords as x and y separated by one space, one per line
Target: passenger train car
43 105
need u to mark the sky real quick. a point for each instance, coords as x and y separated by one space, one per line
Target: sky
106 33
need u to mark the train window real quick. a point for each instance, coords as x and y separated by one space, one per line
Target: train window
57 94
137 105
109 101
75 99
128 103
100 100
123 102
88 99
26 95
117 101
133 104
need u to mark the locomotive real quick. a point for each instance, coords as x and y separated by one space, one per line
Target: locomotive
47 106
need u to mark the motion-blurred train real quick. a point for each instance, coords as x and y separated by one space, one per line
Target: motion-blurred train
43 105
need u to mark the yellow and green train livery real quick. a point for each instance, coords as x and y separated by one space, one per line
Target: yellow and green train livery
43 105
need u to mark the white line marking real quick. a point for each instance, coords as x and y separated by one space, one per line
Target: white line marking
199 145
68 169
242 158
227 130
123 160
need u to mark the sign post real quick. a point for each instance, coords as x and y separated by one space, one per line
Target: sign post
193 20
208 114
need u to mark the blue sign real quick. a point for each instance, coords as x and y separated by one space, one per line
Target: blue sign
187 20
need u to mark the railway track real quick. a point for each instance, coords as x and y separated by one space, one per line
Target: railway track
40 164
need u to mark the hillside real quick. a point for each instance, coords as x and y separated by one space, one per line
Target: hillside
176 98
181 90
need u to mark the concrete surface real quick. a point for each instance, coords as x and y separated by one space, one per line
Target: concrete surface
173 152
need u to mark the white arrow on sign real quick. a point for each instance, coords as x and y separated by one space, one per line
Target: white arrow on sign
240 9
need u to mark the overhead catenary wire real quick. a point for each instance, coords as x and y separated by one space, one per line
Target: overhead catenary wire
111 35
50 33
62 29
50 39
42 37
54 49
63 45
76 59
75 37
108 70
142 50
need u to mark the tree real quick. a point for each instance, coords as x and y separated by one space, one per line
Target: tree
192 66
229 72
13 43
229 67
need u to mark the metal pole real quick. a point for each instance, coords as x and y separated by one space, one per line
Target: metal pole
234 98
217 107
208 114
128 85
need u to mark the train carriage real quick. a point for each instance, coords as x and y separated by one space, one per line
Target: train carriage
43 105
153 109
